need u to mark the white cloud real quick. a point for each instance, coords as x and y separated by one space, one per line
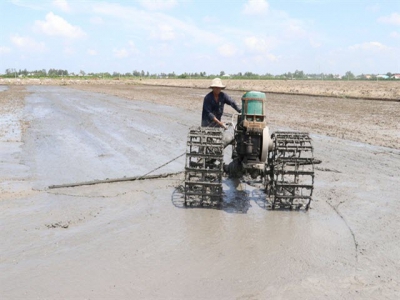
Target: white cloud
208 19
260 48
96 20
164 32
227 50
373 8
372 57
62 4
314 43
272 57
263 58
281 29
158 4
30 5
370 46
161 51
92 52
144 23
132 47
27 43
393 19
395 34
259 45
126 52
252 43
295 29
120 53
57 26
69 50
4 50
255 7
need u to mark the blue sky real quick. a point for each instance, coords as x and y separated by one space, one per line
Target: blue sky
259 36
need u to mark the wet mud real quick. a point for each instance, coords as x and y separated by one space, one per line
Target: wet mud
135 239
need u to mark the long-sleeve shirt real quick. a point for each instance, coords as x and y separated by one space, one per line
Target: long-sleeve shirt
212 108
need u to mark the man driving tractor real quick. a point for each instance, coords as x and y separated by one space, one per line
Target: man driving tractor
213 105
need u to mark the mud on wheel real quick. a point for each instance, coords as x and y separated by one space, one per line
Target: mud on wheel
290 179
204 167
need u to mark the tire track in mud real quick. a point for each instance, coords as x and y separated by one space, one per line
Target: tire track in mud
336 209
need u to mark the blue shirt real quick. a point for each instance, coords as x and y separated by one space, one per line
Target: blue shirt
212 108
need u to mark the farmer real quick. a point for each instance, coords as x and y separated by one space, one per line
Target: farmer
213 105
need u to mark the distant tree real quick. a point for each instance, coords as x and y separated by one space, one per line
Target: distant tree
82 73
10 71
39 73
21 72
250 74
298 74
349 75
288 75
222 73
56 72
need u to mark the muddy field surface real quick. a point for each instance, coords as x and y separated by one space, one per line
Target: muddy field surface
135 239
367 121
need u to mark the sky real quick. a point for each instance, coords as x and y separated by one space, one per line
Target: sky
193 36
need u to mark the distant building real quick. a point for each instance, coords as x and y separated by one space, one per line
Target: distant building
396 76
381 76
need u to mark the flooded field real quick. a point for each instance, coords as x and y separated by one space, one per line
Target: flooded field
134 239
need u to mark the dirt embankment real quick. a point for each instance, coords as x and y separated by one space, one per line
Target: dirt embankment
12 99
382 90
385 90
11 104
362 120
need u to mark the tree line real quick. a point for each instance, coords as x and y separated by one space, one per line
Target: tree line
298 74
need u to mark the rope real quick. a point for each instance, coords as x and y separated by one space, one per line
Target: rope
145 176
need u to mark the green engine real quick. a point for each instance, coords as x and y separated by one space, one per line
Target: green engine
252 140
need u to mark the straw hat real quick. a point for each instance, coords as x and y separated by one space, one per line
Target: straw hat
216 82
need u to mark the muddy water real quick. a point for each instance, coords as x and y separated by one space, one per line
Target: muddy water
80 136
135 240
